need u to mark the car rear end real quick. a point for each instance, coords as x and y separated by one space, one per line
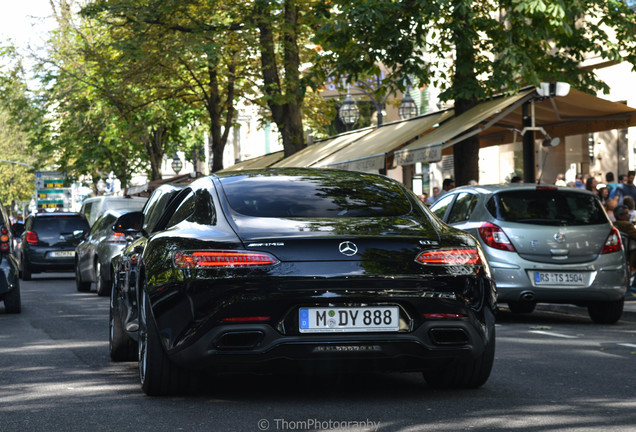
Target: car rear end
376 280
49 244
550 245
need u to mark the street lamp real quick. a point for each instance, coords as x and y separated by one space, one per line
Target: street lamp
176 164
407 108
349 112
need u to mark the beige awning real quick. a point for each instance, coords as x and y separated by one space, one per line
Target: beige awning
314 153
264 161
575 114
460 127
369 152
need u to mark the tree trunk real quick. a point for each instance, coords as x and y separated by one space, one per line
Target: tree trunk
466 153
285 106
154 146
214 106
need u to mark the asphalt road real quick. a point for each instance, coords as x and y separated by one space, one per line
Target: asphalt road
554 370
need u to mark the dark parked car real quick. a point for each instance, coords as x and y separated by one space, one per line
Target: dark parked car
9 270
545 244
48 242
273 268
124 315
94 254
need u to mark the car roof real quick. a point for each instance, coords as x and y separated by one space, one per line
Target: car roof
493 188
112 198
50 214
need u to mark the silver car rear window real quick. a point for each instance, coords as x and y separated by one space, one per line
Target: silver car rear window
547 207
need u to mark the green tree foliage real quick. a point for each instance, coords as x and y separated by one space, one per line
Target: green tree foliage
21 124
16 180
113 111
474 49
218 52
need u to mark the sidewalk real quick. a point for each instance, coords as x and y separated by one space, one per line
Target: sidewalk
630 307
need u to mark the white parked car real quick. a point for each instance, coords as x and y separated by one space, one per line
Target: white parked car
94 207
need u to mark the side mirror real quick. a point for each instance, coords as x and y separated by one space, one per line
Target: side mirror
80 234
129 223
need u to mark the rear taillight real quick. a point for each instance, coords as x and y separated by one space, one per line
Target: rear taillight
450 257
246 319
4 239
32 237
613 242
206 259
494 237
117 238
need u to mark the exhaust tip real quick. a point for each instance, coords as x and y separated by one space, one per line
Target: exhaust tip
527 296
241 340
448 336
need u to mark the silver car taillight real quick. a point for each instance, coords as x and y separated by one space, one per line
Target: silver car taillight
613 242
494 237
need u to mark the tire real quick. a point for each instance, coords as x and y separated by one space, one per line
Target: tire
101 286
12 302
606 312
25 270
157 374
79 284
521 307
464 373
121 346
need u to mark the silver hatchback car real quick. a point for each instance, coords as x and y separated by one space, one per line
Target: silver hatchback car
545 244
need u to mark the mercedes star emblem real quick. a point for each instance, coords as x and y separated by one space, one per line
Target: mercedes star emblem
348 248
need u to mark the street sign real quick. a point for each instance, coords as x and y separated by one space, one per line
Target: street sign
50 191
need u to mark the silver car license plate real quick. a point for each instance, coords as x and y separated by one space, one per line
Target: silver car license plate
559 278
349 319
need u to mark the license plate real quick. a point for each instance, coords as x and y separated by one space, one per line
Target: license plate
349 319
62 254
558 278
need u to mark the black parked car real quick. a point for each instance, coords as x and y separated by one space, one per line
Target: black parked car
273 268
94 254
9 270
123 295
48 242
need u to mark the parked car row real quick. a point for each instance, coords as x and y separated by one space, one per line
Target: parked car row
276 268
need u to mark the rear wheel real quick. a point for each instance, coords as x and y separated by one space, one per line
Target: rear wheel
101 286
121 346
158 375
12 303
606 312
79 284
25 270
464 373
521 307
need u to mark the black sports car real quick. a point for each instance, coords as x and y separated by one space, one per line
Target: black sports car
269 268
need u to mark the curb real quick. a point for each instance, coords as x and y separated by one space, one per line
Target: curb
629 310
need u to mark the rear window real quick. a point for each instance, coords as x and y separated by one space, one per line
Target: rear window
124 204
55 225
315 196
547 207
